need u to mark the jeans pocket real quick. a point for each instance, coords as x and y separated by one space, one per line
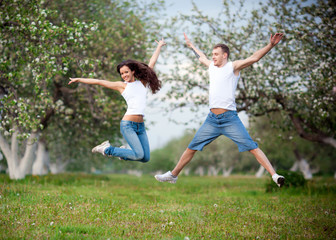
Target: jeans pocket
230 115
126 124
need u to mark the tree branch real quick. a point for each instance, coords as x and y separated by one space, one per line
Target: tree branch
322 138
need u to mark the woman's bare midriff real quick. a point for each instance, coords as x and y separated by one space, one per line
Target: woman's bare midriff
133 118
218 110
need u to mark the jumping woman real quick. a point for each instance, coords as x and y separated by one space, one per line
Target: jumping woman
138 77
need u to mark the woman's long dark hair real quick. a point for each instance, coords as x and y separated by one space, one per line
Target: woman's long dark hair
142 72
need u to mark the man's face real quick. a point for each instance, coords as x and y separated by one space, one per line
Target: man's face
218 57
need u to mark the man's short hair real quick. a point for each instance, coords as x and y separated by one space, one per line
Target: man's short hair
224 48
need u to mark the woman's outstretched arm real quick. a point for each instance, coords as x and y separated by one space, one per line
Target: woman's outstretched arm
156 54
119 86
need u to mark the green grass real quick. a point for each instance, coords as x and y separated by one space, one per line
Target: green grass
79 206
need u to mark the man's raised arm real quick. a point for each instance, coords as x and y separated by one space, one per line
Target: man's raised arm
199 54
241 64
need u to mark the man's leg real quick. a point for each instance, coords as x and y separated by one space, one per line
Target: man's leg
205 135
184 160
263 160
236 131
171 177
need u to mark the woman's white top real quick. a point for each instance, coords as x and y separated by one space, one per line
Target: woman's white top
223 84
135 95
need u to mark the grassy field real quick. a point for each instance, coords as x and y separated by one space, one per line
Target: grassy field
79 206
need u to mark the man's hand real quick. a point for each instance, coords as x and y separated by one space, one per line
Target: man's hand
274 40
188 42
199 54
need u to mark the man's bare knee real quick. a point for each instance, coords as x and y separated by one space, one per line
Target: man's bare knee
253 151
190 151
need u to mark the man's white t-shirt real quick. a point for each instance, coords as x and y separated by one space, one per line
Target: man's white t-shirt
223 84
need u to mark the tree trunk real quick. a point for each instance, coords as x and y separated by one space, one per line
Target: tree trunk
134 172
227 172
213 171
302 165
295 166
318 137
2 167
58 167
330 141
18 168
26 163
41 164
186 171
260 172
6 149
306 169
200 171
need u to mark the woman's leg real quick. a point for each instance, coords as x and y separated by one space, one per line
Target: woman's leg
144 142
136 153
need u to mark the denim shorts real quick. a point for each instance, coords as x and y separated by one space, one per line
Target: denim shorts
227 124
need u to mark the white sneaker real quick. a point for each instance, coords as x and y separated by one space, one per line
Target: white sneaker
101 148
167 177
278 179
122 147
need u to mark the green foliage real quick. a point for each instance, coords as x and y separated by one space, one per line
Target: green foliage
34 51
128 207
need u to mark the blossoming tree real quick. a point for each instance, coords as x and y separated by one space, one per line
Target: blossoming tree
33 52
43 44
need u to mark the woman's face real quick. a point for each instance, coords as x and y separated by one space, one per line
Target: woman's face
126 74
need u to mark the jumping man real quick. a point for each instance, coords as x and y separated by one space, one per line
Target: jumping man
222 118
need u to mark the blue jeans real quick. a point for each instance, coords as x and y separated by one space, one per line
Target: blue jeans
136 137
227 124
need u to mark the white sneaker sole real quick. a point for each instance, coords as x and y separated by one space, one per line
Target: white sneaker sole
164 180
94 150
281 181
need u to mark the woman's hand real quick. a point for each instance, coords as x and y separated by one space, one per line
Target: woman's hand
73 80
155 56
161 42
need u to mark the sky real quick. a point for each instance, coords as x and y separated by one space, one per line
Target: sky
163 130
